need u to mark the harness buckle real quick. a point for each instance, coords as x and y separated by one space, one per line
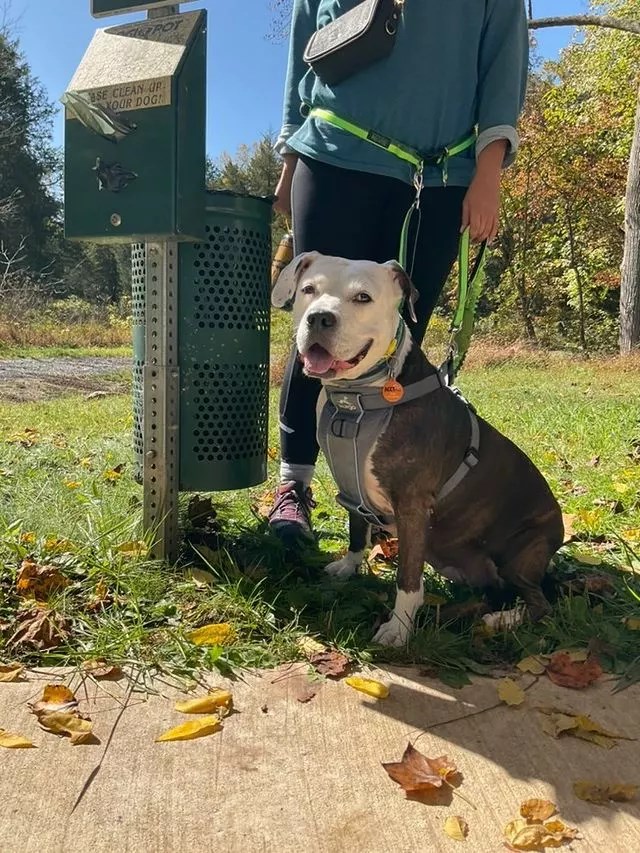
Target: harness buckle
471 457
345 428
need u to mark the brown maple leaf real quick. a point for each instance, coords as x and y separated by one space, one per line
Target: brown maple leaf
36 581
330 663
565 672
416 773
40 628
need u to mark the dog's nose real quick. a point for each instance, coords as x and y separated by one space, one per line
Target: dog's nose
321 320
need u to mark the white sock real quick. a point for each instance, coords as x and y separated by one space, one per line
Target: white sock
300 473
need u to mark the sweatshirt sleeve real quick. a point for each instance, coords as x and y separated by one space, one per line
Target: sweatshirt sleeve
303 24
502 74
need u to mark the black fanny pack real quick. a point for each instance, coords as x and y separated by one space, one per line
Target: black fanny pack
360 37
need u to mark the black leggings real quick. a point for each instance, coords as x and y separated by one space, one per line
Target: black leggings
359 216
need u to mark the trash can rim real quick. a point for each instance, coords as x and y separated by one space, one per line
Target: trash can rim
269 199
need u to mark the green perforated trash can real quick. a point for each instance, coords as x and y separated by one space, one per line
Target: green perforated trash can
223 347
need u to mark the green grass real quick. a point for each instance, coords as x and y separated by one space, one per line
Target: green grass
580 423
11 351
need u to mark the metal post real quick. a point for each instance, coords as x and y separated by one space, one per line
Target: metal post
161 384
163 11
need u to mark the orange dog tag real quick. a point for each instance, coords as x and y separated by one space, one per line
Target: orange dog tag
392 391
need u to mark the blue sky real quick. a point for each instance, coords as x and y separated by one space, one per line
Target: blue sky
245 69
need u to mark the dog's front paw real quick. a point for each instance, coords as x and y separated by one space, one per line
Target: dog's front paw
347 566
395 632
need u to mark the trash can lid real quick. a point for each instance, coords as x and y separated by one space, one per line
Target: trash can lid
269 199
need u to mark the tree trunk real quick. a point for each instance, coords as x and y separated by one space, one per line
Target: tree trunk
630 276
576 268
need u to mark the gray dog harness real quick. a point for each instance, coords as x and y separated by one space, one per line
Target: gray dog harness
354 417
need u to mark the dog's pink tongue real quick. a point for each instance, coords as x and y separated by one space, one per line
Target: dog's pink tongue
317 360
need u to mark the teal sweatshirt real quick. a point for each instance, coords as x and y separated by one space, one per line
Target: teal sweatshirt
456 64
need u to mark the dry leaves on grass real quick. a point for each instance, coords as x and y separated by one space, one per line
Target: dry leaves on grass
369 686
39 628
386 550
29 437
36 581
201 727
102 669
136 549
9 740
57 712
416 773
521 835
217 699
603 794
330 662
11 672
456 827
558 722
112 475
217 634
534 664
510 692
576 674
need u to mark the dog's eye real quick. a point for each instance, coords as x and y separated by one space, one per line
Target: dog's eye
308 290
362 297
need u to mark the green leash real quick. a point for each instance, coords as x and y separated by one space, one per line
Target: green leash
464 313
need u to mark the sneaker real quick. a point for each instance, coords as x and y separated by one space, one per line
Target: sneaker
290 517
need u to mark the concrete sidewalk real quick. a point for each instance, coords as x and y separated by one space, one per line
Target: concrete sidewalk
285 776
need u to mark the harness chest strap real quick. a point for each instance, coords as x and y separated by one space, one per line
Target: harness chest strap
352 420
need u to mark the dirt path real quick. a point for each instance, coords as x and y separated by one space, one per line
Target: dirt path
25 380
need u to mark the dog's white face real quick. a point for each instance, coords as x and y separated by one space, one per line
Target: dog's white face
345 312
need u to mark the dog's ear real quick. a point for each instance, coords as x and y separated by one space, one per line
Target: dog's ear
406 286
283 294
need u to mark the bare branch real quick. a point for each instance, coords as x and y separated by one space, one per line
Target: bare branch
587 21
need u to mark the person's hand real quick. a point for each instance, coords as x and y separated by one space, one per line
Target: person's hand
282 202
481 208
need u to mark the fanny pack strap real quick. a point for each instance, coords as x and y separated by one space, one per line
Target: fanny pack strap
466 280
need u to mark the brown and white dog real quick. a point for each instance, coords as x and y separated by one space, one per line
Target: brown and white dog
499 526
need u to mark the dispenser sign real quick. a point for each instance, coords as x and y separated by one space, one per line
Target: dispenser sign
125 97
101 8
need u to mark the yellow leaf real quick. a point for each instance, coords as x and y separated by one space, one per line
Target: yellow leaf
632 535
434 601
368 686
212 635
11 671
308 646
11 741
603 794
621 488
536 665
138 548
537 810
193 729
456 828
218 698
85 463
532 836
586 559
111 475
72 484
55 697
510 692
27 538
56 544
630 622
200 577
77 729
578 725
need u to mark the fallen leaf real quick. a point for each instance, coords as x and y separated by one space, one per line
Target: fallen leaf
111 475
533 836
538 810
536 665
101 597
306 694
217 634
456 828
36 581
39 628
369 686
76 728
200 577
13 741
28 538
388 548
27 438
308 646
72 484
11 671
415 772
217 698
632 623
574 674
603 794
264 504
99 668
575 655
57 545
599 584
137 548
55 697
510 692
201 727
558 722
330 662
594 462
85 462
586 559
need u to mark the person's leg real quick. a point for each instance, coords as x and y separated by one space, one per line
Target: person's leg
335 212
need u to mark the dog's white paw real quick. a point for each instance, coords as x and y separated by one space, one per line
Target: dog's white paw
347 566
505 620
398 629
395 632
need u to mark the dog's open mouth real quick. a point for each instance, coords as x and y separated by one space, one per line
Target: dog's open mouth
319 362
